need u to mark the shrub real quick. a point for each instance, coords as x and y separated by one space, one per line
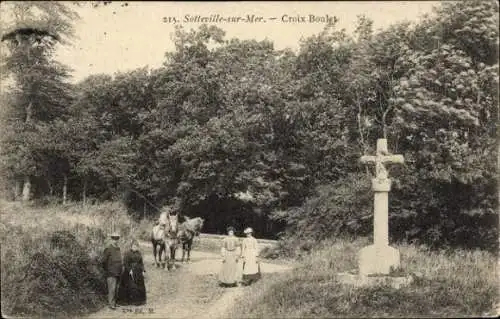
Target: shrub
51 274
341 209
53 266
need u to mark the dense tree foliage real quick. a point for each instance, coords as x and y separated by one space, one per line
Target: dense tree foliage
239 132
40 95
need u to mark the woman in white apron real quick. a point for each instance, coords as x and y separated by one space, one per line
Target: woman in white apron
249 253
229 274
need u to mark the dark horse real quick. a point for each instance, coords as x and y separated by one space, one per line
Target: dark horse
187 230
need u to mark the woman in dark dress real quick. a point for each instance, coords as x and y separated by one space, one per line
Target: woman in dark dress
132 288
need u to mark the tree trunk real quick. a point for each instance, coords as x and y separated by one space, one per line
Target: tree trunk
29 111
27 180
65 189
17 189
144 213
51 188
84 193
384 120
359 117
26 189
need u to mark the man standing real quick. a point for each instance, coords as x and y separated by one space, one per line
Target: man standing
113 268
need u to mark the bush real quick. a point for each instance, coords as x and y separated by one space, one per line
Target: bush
341 209
52 274
54 266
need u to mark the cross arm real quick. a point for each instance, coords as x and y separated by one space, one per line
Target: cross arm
393 159
366 159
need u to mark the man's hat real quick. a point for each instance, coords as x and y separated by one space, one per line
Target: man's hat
248 230
115 235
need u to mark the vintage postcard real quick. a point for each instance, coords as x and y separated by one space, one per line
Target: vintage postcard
249 159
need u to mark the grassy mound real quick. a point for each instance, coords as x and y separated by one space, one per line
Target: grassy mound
51 257
459 283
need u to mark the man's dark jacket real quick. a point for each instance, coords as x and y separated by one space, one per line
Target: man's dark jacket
112 261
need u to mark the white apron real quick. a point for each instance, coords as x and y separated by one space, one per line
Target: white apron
249 252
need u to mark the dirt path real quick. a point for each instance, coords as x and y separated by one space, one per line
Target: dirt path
190 291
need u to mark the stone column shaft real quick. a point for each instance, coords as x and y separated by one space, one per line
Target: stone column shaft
381 219
381 189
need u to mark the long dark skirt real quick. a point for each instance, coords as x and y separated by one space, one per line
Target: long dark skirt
132 290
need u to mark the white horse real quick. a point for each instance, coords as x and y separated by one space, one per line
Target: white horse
158 240
165 235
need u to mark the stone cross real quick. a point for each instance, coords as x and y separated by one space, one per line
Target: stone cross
379 258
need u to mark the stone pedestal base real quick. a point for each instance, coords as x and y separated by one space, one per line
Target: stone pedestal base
365 281
378 260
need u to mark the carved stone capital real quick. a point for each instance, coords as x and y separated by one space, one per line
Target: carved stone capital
381 185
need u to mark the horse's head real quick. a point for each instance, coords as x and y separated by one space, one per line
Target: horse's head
173 223
196 224
199 223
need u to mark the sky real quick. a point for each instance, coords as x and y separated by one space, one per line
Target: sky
117 38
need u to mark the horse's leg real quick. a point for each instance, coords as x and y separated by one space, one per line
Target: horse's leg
189 245
154 255
183 251
160 254
172 255
168 255
162 251
154 252
185 248
169 261
159 251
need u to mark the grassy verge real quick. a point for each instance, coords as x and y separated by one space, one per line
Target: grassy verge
459 283
51 256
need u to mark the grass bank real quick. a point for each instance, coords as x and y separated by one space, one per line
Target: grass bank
454 283
51 256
